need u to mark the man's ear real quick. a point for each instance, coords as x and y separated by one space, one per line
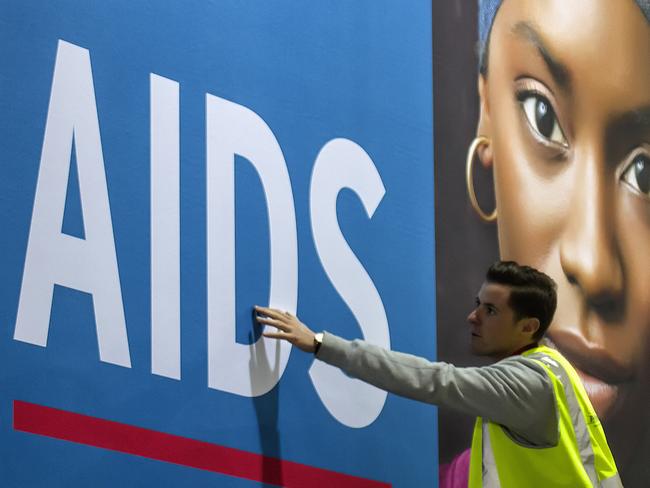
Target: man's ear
530 326
484 128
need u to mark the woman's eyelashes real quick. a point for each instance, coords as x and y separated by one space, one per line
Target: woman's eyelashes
541 117
637 174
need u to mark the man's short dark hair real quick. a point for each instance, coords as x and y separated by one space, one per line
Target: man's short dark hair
532 293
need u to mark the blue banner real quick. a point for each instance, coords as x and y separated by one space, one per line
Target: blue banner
165 166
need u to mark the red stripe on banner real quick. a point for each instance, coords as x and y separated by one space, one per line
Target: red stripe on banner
116 436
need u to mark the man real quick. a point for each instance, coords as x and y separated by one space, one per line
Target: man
535 425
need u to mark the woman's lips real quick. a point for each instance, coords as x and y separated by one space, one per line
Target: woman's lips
602 375
603 396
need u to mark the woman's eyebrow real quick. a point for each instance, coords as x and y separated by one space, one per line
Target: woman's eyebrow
558 70
634 120
631 125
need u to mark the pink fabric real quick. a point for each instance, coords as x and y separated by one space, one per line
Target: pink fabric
456 473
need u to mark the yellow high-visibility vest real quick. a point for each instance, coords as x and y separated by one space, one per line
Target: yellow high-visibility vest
581 457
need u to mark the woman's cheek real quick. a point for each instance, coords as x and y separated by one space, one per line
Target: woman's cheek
532 203
633 235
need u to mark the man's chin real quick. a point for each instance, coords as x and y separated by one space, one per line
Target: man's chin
482 352
477 351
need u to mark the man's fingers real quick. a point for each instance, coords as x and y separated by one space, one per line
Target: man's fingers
275 323
278 335
271 312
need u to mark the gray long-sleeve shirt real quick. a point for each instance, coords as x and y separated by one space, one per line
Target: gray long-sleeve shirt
515 392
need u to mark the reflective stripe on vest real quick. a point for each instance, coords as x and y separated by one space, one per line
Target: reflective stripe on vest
577 418
579 424
483 466
489 468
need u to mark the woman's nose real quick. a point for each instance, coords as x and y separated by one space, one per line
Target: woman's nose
589 252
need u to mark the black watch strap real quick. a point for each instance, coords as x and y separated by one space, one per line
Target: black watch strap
318 341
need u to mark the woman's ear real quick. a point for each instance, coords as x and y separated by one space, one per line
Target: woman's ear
484 152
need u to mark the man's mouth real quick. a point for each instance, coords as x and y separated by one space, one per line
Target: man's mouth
603 377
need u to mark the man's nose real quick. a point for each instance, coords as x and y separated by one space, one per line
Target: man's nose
472 318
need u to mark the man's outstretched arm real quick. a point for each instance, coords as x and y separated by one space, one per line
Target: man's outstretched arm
515 392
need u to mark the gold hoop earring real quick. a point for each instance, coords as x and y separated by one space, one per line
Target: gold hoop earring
478 141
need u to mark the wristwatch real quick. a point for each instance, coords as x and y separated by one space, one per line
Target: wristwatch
318 341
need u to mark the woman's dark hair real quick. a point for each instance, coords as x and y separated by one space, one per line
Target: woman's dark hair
532 293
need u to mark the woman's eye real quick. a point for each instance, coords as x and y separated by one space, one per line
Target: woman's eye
541 117
637 174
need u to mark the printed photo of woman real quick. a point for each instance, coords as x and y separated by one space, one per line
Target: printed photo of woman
563 140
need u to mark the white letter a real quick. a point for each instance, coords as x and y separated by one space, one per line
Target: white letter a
89 264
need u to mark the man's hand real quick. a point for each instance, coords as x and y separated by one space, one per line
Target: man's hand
289 328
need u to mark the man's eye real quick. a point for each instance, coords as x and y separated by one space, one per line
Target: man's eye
542 118
637 174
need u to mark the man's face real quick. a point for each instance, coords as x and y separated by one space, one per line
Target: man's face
495 332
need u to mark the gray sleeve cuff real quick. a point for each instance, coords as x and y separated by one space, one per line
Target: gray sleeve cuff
333 349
